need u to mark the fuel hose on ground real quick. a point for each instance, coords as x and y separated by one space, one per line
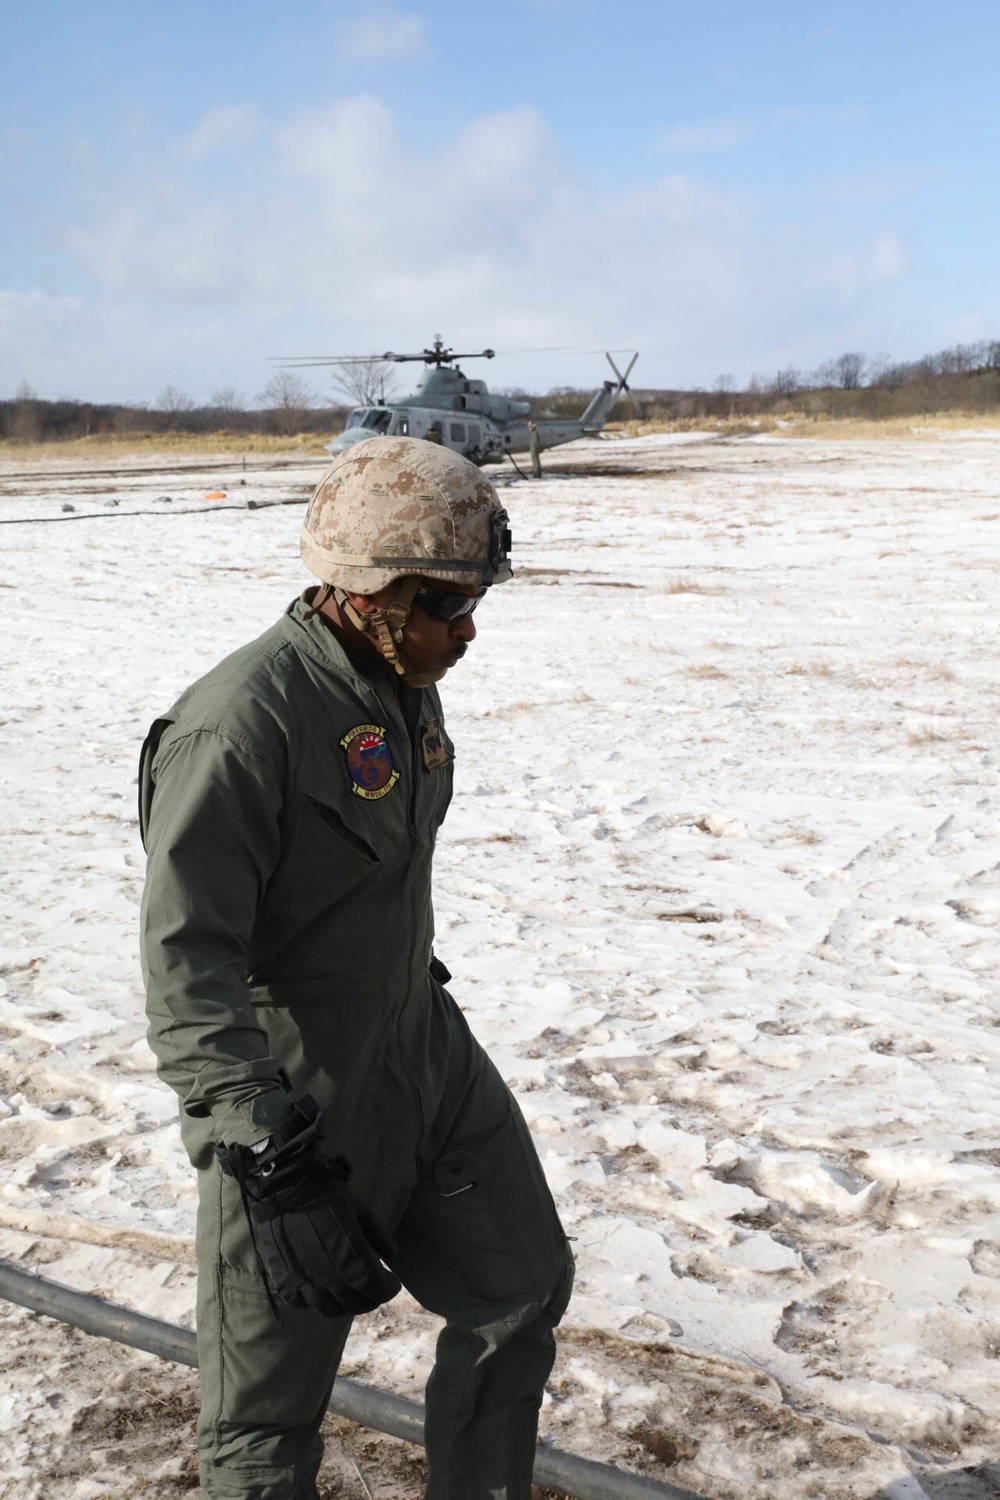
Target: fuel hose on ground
568 1473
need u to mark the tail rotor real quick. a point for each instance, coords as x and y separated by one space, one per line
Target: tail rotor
623 385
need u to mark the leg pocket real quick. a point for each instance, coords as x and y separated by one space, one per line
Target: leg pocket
265 1386
273 1374
489 1203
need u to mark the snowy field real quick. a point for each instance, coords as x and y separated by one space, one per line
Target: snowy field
720 891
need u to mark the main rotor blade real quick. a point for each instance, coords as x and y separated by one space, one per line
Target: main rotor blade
306 360
363 359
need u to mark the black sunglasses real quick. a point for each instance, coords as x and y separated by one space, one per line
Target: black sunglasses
442 606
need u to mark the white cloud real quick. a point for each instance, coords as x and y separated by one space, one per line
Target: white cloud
888 259
342 147
853 270
724 134
712 135
336 234
354 237
168 249
971 327
877 187
848 114
381 33
20 311
35 331
225 129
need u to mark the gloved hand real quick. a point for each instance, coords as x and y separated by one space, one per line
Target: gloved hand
323 1245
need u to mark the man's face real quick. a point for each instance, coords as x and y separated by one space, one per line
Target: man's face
430 644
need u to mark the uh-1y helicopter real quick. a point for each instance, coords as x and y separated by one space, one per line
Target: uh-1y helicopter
460 413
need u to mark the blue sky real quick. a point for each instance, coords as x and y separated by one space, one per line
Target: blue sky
729 188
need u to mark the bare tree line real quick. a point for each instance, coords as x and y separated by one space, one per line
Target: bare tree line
962 377
287 404
852 371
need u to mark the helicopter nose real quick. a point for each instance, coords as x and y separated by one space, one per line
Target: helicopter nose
345 440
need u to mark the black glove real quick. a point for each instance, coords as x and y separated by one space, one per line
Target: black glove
323 1245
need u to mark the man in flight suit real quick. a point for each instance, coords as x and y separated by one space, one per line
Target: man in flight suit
534 450
349 1132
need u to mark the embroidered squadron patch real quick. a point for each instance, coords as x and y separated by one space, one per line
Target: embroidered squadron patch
369 761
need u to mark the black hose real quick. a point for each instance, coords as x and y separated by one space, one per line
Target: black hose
364 1404
93 1315
121 515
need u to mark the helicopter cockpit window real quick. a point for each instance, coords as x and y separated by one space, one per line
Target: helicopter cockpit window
377 420
458 432
402 423
355 419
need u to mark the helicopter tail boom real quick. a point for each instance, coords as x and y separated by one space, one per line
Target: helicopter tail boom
599 409
596 414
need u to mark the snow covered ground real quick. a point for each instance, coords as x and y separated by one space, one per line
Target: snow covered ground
720 891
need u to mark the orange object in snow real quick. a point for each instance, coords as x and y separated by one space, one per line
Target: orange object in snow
215 495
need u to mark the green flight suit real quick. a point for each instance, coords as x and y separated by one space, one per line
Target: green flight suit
289 804
534 452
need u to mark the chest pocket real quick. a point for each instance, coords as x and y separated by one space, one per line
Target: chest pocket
334 823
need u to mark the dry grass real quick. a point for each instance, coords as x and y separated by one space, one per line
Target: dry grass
933 425
146 445
143 445
794 424
799 834
931 736
680 587
705 669
710 426
809 669
940 671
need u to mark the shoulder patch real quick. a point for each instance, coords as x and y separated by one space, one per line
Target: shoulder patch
369 761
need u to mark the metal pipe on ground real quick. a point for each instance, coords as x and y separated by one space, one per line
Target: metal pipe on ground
572 1475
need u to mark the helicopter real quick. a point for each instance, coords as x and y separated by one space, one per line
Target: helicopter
461 414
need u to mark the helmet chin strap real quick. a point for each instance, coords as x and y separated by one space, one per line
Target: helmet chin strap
388 625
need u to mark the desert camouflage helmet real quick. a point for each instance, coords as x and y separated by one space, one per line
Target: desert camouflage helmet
391 506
